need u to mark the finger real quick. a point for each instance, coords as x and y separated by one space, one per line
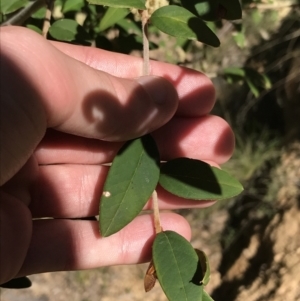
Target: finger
206 138
78 99
70 191
72 97
195 90
15 234
59 245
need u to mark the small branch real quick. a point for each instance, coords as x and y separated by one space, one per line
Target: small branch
145 18
21 16
157 224
46 26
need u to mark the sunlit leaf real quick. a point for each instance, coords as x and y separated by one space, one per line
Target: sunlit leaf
22 282
139 4
177 269
179 22
68 30
131 180
111 16
197 180
9 6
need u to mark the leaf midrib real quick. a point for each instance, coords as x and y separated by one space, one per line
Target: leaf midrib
116 212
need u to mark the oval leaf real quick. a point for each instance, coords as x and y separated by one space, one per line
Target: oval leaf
197 180
179 22
68 30
22 282
139 4
176 264
111 16
130 182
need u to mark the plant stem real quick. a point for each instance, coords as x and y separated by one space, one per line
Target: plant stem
157 224
46 25
145 18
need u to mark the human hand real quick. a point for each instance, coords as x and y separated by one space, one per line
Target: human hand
64 111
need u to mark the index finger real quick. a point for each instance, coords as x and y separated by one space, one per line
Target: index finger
195 90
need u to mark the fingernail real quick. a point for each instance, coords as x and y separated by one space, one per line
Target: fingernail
156 87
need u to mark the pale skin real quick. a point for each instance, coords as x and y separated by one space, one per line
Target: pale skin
64 111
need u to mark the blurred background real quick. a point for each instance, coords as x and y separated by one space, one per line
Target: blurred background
253 240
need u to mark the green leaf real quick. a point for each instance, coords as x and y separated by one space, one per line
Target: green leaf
206 297
204 265
39 14
130 182
112 16
197 180
34 28
22 282
139 4
68 30
176 265
179 22
72 5
10 6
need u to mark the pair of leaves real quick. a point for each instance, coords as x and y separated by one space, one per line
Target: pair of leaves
174 256
135 172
